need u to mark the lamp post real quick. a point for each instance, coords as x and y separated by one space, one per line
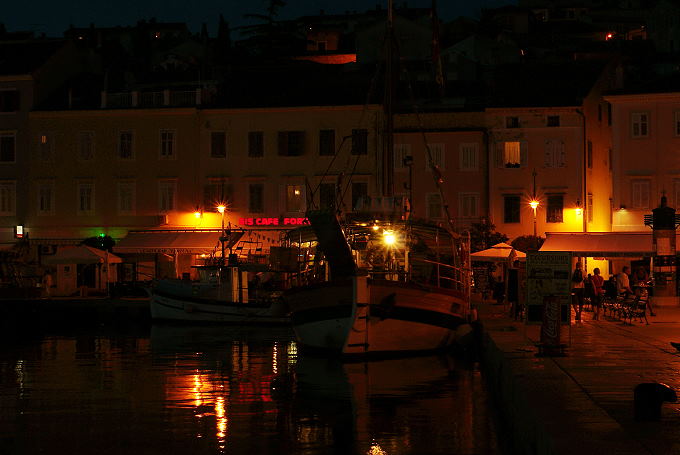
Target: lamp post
534 202
221 208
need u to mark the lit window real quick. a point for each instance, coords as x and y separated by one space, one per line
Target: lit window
589 208
294 198
469 157
511 154
167 138
45 147
639 124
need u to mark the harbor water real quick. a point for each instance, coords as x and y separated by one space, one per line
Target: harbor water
170 389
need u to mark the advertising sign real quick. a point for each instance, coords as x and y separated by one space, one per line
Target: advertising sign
548 283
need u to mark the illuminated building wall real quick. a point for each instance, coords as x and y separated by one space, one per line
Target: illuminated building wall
645 144
549 141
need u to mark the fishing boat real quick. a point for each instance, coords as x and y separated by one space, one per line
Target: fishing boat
230 291
380 286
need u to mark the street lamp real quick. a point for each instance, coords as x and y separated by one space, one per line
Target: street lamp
221 208
534 205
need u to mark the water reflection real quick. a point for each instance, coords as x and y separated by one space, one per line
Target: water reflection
231 390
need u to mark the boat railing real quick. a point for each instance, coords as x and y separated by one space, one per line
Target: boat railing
440 274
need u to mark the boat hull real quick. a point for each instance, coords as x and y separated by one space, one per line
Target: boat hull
364 316
167 306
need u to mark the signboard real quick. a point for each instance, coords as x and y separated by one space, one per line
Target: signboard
548 281
268 221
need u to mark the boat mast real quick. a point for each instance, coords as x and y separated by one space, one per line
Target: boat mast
388 142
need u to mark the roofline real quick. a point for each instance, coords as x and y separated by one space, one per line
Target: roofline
637 96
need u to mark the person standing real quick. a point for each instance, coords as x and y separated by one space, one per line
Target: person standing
623 282
598 285
577 290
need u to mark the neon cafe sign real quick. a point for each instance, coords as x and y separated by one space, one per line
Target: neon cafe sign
282 221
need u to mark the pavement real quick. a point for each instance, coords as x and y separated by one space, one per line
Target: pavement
583 402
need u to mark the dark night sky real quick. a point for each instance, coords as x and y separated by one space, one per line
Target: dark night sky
53 17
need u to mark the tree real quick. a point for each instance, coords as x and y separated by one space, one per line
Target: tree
101 242
526 243
483 235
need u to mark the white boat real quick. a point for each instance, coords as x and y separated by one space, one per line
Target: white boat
415 298
220 295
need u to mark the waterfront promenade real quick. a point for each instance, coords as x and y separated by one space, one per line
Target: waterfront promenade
582 403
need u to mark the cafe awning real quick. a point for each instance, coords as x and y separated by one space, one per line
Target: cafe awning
600 244
498 253
175 241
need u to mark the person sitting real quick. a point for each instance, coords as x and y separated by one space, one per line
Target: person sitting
623 282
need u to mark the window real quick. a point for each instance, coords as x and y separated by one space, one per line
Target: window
216 192
553 120
677 123
437 155
218 144
46 199
167 195
589 208
326 142
291 143
256 198
9 100
554 155
8 196
327 196
360 142
554 212
126 145
589 155
86 145
401 151
255 144
359 195
127 195
511 209
512 122
640 191
639 124
511 154
468 205
435 208
469 157
295 201
8 147
85 199
45 147
167 138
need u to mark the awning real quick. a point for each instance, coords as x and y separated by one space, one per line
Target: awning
498 253
175 241
600 244
81 255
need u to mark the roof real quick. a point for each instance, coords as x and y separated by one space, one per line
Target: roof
600 244
498 252
25 57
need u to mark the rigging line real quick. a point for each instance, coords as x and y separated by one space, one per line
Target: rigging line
436 172
328 168
349 180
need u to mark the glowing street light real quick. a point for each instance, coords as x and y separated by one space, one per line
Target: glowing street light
389 238
534 205
221 208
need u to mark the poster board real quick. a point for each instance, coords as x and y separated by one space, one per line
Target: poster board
548 279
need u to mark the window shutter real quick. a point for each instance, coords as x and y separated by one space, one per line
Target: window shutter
548 154
523 154
562 155
499 154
